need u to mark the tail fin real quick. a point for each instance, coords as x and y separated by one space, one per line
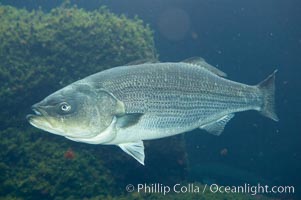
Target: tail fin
267 87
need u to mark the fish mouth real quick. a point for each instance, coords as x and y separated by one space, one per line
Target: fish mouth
37 113
39 119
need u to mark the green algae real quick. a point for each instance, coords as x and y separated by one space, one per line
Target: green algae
41 52
37 167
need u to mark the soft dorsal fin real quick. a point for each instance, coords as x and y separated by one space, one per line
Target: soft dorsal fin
202 63
134 149
142 61
217 127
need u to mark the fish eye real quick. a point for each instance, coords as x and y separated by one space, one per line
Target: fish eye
65 107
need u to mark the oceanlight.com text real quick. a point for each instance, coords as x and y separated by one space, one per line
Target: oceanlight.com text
211 188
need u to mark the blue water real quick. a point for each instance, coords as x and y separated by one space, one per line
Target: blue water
247 40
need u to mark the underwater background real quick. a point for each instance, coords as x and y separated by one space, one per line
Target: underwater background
45 45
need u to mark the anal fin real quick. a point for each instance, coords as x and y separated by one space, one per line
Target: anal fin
134 149
217 127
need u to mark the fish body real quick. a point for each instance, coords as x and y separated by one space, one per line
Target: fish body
125 105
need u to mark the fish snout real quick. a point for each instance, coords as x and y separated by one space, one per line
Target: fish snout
38 111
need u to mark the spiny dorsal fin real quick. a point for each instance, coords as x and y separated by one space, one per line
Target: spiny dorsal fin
202 63
217 127
142 61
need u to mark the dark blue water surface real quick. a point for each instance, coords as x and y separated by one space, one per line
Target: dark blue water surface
247 40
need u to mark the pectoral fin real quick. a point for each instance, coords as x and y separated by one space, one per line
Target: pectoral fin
134 149
128 120
217 127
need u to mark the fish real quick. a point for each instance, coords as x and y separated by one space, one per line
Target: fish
129 104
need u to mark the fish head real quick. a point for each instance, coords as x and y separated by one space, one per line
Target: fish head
76 111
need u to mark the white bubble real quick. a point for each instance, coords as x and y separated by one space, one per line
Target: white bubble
174 23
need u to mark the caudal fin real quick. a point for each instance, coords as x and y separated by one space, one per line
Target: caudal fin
267 87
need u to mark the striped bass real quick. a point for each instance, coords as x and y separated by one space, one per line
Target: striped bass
128 104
